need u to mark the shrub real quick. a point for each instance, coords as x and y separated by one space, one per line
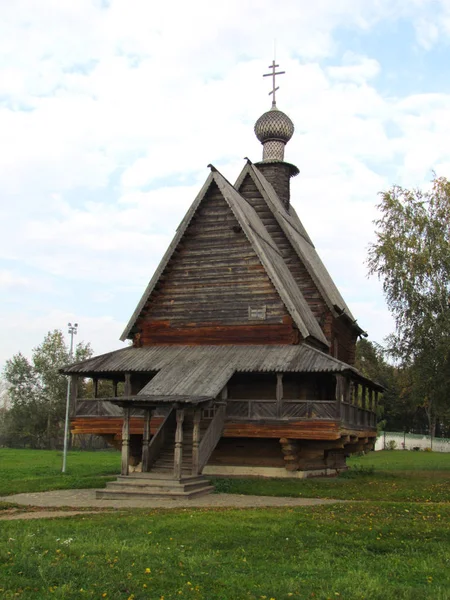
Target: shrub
391 445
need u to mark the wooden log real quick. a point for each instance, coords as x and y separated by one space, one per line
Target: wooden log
125 441
178 454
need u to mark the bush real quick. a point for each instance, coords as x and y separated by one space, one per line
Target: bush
427 450
391 445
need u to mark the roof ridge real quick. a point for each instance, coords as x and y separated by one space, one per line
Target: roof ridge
313 262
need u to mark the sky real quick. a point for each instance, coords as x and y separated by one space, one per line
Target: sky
110 112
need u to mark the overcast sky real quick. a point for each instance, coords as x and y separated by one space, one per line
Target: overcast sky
111 110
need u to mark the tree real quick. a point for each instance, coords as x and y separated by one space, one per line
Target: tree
411 255
38 391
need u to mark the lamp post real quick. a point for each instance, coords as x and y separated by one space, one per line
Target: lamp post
71 331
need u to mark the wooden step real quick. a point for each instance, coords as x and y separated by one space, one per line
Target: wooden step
155 485
127 495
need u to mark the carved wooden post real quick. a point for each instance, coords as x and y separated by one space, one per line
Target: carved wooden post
127 390
355 403
115 386
362 410
340 386
146 438
279 394
95 382
375 409
178 454
196 440
125 440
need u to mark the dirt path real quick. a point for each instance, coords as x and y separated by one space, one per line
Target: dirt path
14 514
76 499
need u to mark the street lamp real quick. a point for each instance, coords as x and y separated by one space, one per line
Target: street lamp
71 331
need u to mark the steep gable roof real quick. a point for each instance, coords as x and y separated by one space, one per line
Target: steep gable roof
265 249
300 240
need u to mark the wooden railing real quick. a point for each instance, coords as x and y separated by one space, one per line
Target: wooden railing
356 415
157 441
290 409
212 436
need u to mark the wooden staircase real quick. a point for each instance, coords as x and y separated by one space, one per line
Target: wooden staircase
155 485
160 481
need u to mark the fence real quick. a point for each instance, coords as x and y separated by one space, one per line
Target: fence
411 441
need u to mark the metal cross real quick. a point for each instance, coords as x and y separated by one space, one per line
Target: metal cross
273 66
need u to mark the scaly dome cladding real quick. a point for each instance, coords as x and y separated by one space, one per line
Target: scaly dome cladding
274 125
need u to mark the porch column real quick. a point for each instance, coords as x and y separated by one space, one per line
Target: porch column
178 454
127 387
125 440
279 394
146 438
196 440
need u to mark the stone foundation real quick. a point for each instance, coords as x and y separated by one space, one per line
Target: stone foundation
267 472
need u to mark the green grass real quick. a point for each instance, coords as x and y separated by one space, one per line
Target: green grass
380 476
395 476
345 551
40 470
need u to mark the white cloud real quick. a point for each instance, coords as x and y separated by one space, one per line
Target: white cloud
109 117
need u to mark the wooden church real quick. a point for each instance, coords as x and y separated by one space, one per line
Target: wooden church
243 349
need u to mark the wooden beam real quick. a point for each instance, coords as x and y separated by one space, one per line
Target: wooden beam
146 439
125 440
178 454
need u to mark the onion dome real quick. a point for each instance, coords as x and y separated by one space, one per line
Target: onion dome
274 125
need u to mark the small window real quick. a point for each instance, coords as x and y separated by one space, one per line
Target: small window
257 314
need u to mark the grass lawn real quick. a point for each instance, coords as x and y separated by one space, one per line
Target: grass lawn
348 551
40 470
376 549
387 475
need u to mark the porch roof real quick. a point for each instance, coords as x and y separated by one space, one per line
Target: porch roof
204 370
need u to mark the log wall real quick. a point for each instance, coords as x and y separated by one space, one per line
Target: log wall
210 286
